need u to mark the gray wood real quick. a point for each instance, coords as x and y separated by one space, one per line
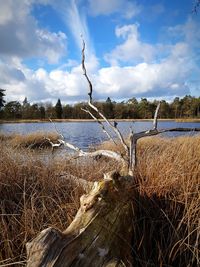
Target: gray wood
100 234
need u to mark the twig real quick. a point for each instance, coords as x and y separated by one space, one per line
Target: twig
101 124
155 121
81 153
154 131
113 127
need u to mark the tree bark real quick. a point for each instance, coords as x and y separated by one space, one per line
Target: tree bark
100 234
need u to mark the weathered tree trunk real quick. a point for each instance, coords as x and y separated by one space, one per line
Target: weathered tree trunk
100 234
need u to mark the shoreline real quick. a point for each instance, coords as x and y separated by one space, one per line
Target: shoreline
91 120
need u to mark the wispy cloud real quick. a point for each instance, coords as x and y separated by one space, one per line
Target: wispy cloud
127 9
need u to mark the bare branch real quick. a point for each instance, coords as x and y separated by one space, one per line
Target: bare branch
100 123
113 127
81 153
56 145
129 161
85 72
73 147
180 130
132 154
135 137
156 132
155 121
59 134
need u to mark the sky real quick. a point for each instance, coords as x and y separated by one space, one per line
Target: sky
134 48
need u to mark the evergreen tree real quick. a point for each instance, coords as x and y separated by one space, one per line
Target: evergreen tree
58 109
25 102
13 110
42 112
67 112
2 101
108 108
26 111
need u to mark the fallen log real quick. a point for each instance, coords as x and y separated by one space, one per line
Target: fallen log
100 234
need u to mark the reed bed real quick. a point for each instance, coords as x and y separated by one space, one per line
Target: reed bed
166 220
35 140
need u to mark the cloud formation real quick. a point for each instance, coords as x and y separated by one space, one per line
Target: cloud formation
22 37
133 67
132 50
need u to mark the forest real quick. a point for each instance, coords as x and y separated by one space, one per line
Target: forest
186 107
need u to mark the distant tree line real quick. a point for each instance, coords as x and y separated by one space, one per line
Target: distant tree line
186 107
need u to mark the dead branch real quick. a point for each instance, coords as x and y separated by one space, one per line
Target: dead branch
113 127
100 234
129 163
154 131
101 124
155 120
81 153
85 72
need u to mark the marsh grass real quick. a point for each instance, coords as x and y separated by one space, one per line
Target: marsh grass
35 140
166 209
166 218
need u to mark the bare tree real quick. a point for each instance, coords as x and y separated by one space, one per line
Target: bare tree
129 161
101 232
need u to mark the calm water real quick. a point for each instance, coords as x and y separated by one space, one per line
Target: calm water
84 134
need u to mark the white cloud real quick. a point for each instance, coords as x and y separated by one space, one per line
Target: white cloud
144 76
23 31
166 78
153 70
41 85
132 50
128 9
21 36
10 73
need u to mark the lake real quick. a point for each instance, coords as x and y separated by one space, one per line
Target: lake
84 134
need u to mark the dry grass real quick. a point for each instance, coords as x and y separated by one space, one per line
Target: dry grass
166 221
169 202
5 137
33 196
33 140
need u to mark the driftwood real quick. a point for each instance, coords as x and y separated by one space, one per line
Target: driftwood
100 234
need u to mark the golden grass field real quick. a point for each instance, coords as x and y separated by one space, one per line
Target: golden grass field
166 222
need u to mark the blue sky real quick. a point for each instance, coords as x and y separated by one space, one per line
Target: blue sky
133 49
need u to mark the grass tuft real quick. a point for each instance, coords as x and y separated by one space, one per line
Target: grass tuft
35 140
